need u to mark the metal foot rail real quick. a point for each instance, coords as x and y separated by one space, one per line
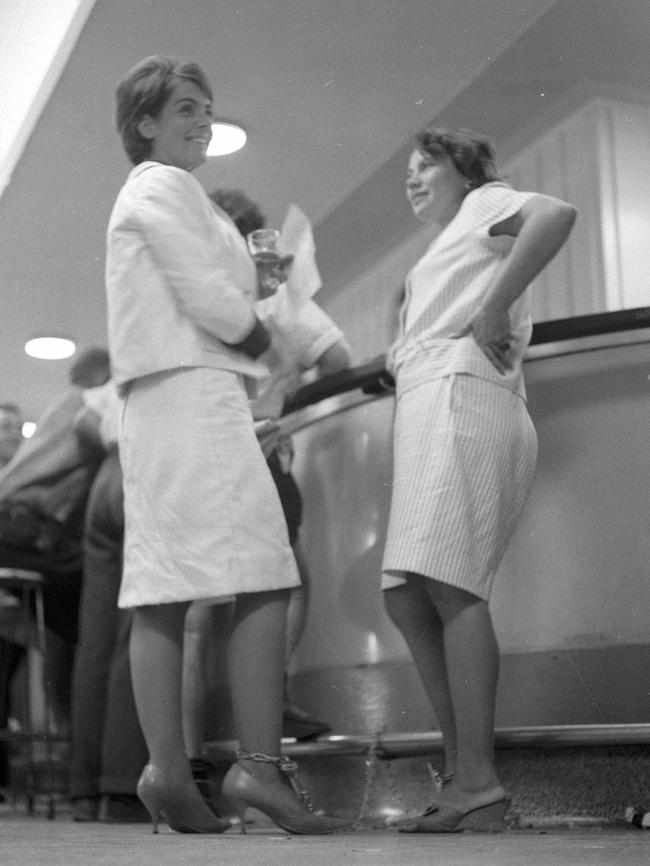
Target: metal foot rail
411 745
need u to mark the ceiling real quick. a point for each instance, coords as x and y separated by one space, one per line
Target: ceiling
330 95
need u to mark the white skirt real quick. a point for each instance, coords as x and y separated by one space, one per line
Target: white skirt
464 460
202 515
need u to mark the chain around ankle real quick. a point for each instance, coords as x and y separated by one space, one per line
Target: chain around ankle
286 765
279 760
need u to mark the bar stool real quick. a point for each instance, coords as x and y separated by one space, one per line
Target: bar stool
27 587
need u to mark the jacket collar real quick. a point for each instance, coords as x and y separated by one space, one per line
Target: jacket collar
142 166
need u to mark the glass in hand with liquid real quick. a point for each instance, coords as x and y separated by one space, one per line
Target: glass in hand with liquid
263 247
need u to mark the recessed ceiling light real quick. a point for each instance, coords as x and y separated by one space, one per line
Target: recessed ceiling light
50 348
226 138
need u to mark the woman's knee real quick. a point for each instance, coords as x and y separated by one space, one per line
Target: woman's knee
401 604
450 601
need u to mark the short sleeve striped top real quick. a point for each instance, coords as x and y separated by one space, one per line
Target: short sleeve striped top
447 285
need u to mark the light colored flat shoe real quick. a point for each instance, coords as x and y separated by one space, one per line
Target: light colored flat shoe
485 818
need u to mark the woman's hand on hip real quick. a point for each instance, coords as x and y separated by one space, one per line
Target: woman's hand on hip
491 332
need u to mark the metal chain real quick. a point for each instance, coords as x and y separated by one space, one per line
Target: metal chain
287 766
370 772
437 780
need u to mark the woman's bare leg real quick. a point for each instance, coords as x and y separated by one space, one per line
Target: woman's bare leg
156 651
257 663
166 785
472 661
414 614
299 602
299 722
207 632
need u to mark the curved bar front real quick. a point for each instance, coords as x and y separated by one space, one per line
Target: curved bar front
570 601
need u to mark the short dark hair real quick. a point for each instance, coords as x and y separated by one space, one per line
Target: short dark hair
143 91
245 214
472 153
92 368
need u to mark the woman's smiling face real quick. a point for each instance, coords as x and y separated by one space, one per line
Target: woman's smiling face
181 133
434 186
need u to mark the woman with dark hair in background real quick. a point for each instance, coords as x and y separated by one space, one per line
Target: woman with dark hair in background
465 447
202 516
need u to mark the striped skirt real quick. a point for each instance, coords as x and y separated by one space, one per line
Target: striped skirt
464 459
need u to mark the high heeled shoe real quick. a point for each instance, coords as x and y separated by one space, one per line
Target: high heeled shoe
286 805
484 815
180 805
208 778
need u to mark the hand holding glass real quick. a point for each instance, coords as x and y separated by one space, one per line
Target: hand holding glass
263 247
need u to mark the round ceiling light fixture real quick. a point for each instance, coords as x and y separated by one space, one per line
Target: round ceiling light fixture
50 348
226 138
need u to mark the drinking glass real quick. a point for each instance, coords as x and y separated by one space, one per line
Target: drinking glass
263 247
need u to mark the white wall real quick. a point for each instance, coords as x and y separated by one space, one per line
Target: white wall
596 158
625 178
367 309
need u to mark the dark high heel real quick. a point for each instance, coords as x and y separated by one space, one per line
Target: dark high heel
180 805
208 779
289 809
486 817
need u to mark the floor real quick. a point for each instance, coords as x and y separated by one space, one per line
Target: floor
569 804
30 840
574 829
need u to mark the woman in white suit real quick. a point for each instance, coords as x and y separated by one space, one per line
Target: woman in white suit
202 516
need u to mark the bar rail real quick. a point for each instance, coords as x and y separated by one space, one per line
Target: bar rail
371 377
388 746
581 333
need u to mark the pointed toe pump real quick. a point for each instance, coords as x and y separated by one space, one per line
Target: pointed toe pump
178 803
285 804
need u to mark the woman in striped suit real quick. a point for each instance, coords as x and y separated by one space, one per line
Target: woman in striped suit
465 447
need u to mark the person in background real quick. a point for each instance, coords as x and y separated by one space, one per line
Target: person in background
202 516
464 445
11 424
314 344
108 749
44 487
317 346
43 494
11 435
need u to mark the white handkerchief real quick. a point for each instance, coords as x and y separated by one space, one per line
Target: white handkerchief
297 238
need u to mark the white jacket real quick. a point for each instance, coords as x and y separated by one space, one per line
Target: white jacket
180 283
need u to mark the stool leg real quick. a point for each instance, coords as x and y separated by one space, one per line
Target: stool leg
30 782
42 645
10 659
